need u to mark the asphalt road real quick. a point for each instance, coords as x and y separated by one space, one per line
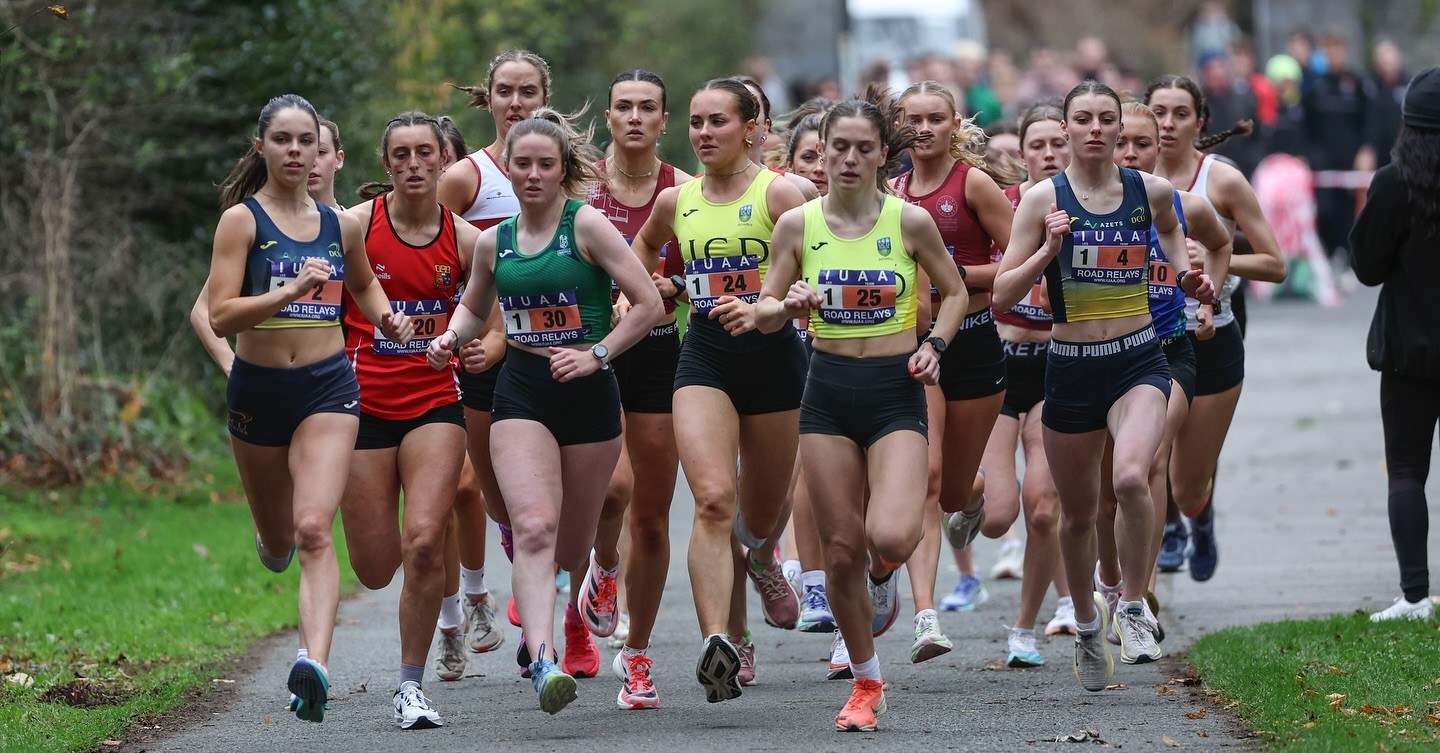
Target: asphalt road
1301 516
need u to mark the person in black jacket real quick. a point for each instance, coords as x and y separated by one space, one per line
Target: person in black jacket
1397 245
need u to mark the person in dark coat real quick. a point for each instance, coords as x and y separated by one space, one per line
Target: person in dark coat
1397 246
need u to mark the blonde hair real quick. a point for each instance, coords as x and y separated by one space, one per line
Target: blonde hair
967 141
577 154
1138 109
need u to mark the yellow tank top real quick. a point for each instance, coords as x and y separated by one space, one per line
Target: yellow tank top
725 247
866 285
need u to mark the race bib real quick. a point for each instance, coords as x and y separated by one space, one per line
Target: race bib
1032 306
543 320
857 297
430 319
1109 257
321 304
708 279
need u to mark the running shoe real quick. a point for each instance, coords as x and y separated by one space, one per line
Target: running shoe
839 659
507 542
1423 609
481 634
562 581
1152 608
884 602
582 656
1111 594
718 669
512 612
815 614
867 701
929 641
413 710
1064 619
1204 553
599 600
1137 633
622 631
310 684
777 599
1011 561
1093 665
746 649
1172 548
961 529
1023 655
450 661
793 574
272 563
636 690
522 657
555 688
969 593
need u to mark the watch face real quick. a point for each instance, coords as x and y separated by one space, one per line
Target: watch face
601 352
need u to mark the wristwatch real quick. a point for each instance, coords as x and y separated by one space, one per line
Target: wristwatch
938 344
679 282
601 353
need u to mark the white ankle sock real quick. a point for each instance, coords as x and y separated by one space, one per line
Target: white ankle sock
867 670
472 582
451 615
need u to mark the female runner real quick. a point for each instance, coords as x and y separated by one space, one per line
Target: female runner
1024 331
733 392
320 186
1180 108
644 479
1138 149
556 433
849 260
516 84
292 396
949 181
412 427
1105 368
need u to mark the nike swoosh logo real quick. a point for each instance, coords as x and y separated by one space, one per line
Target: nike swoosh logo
817 246
267 244
351 404
688 212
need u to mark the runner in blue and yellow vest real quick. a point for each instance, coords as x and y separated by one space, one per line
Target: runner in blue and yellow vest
1087 229
858 253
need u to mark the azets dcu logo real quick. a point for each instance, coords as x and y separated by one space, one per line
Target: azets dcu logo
883 246
745 212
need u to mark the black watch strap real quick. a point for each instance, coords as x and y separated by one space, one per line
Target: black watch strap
938 344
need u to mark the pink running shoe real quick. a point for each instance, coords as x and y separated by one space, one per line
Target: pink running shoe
636 690
746 649
599 600
582 656
778 599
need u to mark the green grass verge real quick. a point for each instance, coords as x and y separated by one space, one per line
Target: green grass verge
1335 684
126 595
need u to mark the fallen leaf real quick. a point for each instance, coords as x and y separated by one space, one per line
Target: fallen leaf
20 679
63 13
111 743
994 665
1310 725
1164 690
1081 736
1202 733
1118 686
1170 741
1334 670
268 721
1196 714
224 681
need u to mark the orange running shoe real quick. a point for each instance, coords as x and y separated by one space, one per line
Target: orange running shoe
867 701
582 656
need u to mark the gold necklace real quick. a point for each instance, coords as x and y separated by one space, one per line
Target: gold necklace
747 166
633 176
284 198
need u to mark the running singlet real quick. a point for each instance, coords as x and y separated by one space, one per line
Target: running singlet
628 220
553 297
396 382
275 259
725 248
1224 315
866 285
1030 312
494 199
1100 272
1167 301
965 239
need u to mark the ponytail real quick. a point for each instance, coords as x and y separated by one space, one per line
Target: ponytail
372 189
577 154
1241 128
245 178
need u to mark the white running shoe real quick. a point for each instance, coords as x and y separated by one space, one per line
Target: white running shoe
1064 619
961 529
412 709
1011 562
622 631
839 659
1112 598
481 633
884 602
1404 610
1022 654
450 660
599 599
1137 633
929 641
1093 665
